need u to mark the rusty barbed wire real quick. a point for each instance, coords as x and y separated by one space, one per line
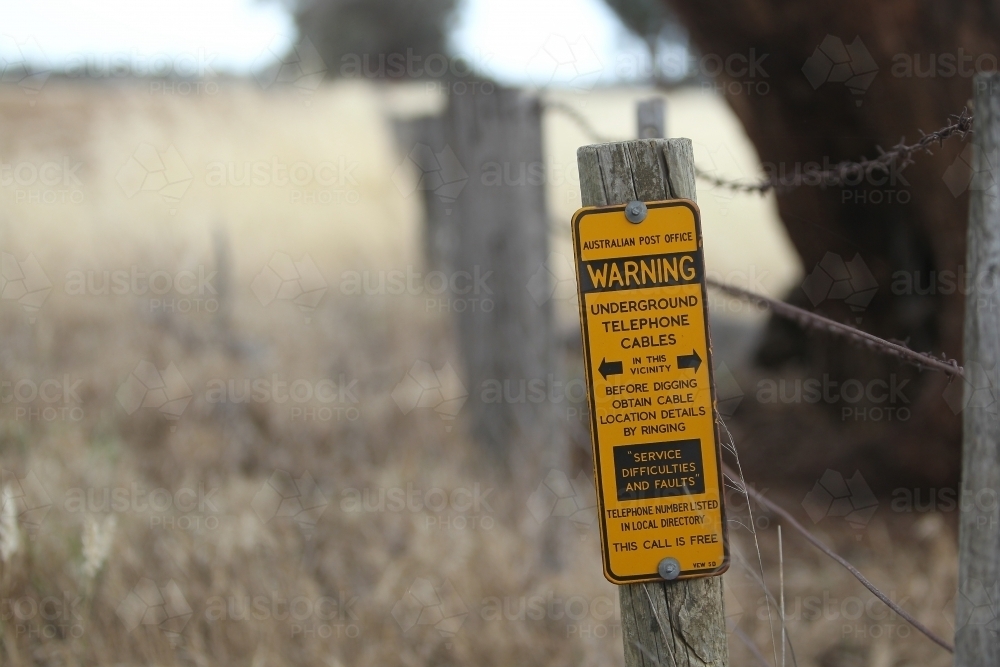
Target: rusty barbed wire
793 522
899 156
961 126
806 319
578 119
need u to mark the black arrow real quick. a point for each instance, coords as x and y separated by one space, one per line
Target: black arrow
689 361
610 368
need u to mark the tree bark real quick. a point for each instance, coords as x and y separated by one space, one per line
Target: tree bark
792 122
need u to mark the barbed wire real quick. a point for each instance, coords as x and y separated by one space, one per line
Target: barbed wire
847 172
578 119
806 319
793 522
850 172
899 156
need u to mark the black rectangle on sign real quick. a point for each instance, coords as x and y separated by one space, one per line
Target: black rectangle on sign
659 469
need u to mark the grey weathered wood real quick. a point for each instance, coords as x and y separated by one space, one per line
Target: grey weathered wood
977 643
651 116
439 221
502 231
669 624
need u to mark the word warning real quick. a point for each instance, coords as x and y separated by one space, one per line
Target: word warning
649 379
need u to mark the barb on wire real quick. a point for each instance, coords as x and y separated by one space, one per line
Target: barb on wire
899 156
812 320
793 522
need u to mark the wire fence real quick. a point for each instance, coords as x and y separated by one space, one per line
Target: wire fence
850 172
847 172
816 322
744 488
844 173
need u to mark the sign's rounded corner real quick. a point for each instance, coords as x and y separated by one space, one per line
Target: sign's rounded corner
579 213
584 211
723 567
690 204
613 578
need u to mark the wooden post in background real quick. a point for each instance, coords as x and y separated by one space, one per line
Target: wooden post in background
679 623
977 643
502 231
651 117
425 138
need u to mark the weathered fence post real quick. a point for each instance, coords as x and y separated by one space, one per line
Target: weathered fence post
425 140
502 236
679 623
651 118
977 643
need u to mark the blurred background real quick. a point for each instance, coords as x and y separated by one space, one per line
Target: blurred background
290 364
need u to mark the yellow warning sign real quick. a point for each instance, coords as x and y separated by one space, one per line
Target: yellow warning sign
641 282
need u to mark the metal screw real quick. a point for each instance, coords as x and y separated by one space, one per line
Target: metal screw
635 212
669 568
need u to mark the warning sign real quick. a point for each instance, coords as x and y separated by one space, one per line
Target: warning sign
649 376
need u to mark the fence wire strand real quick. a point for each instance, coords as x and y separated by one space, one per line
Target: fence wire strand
793 522
809 320
899 157
848 172
851 172
578 119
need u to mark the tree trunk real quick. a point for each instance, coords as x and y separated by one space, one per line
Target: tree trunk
797 108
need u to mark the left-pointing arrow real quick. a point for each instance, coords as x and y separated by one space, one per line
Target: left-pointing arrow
610 368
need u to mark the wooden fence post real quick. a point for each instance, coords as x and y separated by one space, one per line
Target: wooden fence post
502 235
427 137
651 117
976 607
679 623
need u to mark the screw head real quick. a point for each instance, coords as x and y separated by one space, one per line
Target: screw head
669 568
635 212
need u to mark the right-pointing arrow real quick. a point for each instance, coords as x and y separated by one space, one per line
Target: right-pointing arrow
689 361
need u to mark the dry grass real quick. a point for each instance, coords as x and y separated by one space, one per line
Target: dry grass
188 563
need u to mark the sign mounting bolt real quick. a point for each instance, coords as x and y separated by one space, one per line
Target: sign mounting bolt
669 568
635 212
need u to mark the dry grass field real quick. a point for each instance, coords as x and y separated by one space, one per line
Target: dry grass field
206 459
